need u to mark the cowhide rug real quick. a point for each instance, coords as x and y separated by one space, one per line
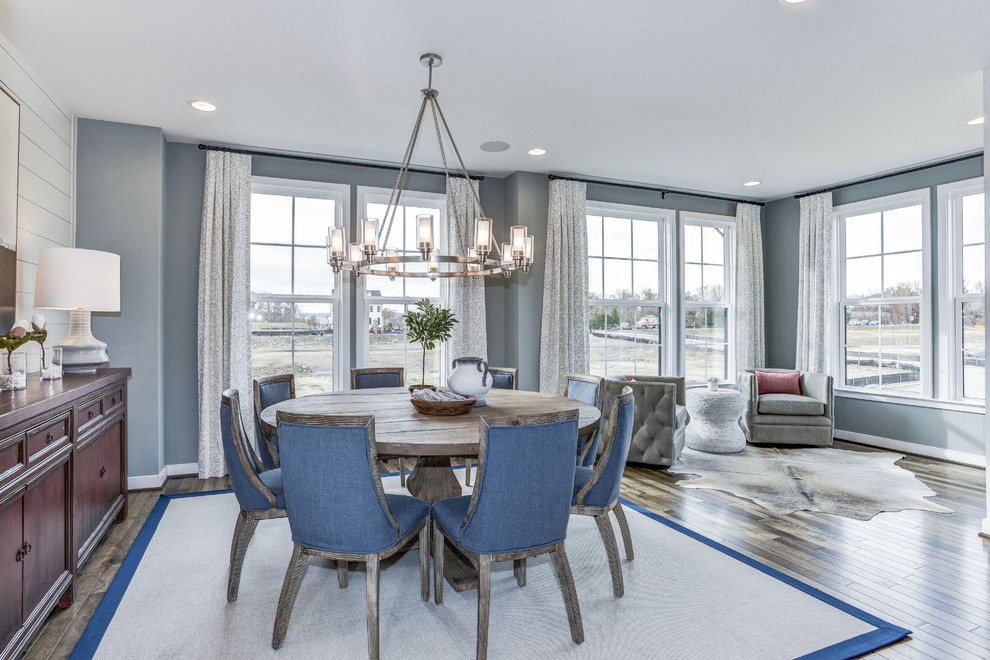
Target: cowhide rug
846 483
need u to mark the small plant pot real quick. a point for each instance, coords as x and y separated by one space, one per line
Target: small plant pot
413 388
713 387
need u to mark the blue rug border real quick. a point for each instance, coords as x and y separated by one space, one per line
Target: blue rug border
885 633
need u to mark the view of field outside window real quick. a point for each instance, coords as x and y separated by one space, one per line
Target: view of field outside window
625 304
706 302
969 301
292 290
883 299
387 301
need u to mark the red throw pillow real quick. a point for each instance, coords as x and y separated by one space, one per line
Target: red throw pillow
778 382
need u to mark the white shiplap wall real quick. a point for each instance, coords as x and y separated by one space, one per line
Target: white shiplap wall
45 208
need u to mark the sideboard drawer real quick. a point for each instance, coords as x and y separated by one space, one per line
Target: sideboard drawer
11 456
46 435
88 414
113 399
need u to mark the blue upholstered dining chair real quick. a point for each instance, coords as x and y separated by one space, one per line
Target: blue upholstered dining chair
338 509
372 377
519 508
258 491
377 377
596 490
268 391
591 390
504 378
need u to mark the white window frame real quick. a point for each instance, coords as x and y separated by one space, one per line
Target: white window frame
340 300
366 195
666 218
729 224
920 197
950 330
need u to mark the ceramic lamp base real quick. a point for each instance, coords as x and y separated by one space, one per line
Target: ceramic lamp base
82 353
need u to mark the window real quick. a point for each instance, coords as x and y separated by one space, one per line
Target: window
707 249
963 244
883 294
386 302
295 297
627 257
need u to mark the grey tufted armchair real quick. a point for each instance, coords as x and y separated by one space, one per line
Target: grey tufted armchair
789 419
660 417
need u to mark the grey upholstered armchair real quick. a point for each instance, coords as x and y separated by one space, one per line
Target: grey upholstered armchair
660 417
789 419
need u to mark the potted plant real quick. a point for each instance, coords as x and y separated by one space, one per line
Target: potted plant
713 383
430 324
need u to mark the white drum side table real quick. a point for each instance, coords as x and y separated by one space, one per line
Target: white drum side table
714 423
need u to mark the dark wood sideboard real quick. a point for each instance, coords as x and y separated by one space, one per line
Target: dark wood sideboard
63 482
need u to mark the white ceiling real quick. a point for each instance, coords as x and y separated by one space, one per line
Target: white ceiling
702 94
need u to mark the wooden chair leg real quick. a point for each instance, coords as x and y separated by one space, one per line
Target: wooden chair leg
566 582
287 599
342 574
467 471
241 517
620 515
243 533
484 601
437 565
519 571
372 601
424 561
612 550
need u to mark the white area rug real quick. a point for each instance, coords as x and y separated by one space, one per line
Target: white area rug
686 597
854 484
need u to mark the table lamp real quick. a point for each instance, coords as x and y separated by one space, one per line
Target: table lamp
80 281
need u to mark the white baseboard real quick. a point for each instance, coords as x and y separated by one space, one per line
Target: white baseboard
146 481
951 455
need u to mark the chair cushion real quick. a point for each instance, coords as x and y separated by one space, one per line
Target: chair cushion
273 479
778 382
450 513
789 404
408 511
581 477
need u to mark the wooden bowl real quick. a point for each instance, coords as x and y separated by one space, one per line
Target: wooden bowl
444 407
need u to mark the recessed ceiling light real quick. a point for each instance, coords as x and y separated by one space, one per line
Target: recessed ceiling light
791 2
975 122
495 146
749 184
202 106
537 151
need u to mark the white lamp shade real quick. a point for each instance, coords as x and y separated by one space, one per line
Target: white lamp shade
73 278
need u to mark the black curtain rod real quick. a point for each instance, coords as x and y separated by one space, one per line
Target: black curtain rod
663 191
881 177
332 161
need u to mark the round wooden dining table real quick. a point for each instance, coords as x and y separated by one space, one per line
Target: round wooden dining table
402 431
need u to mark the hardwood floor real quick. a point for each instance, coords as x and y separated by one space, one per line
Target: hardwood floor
925 571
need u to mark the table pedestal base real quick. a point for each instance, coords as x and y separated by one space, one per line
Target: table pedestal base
433 479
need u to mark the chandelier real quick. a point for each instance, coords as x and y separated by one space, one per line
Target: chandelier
369 256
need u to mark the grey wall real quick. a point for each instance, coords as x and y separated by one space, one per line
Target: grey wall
120 207
943 429
185 167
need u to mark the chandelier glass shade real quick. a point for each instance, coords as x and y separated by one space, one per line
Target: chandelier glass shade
371 253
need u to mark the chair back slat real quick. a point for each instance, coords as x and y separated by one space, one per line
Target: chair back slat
333 493
504 378
251 494
603 487
267 392
525 484
377 377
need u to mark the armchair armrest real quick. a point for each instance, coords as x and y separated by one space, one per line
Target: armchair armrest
819 386
746 383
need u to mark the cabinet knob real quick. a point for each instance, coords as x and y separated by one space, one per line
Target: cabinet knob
27 547
21 554
50 438
103 471
113 401
90 414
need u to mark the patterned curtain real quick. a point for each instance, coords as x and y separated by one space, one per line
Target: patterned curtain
564 336
814 340
750 335
465 296
224 350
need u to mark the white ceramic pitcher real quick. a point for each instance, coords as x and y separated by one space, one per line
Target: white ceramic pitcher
470 378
